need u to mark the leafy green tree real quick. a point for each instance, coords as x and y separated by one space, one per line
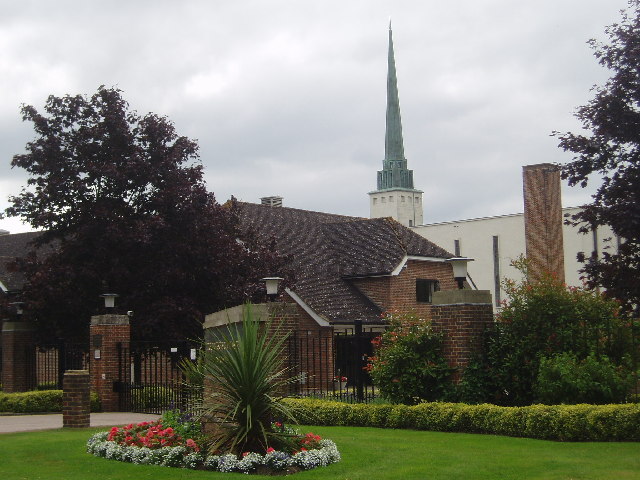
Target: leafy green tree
612 149
122 206
408 365
539 320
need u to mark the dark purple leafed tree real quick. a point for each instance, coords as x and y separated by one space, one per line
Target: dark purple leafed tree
123 206
612 149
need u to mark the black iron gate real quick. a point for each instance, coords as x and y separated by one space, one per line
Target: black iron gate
332 365
150 379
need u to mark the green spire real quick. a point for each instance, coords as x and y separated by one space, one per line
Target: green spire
394 173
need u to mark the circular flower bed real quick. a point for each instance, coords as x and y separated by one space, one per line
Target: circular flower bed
149 443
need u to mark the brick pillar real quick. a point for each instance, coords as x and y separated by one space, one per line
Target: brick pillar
462 315
543 220
282 313
76 403
18 357
106 332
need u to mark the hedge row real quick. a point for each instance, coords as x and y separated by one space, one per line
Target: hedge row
550 422
38 402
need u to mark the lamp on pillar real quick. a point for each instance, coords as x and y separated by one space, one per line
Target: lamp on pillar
272 284
460 269
109 300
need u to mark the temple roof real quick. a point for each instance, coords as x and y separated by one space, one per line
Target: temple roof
328 250
394 173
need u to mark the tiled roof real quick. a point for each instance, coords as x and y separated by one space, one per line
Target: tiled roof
13 246
327 249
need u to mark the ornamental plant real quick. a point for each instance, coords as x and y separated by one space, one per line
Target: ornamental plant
408 366
118 444
151 435
243 369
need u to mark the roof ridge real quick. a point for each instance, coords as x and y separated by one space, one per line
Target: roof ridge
301 210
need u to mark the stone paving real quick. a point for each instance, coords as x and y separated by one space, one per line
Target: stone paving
25 423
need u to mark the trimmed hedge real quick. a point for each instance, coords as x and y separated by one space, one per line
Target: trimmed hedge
600 423
38 402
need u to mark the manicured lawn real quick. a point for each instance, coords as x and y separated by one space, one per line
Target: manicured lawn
368 453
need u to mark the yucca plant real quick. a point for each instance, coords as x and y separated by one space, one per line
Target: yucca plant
245 379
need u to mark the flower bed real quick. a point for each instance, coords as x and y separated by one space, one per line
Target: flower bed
149 443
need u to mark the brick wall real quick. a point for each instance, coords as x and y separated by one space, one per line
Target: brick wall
462 315
399 292
18 357
543 220
106 331
309 349
76 405
314 354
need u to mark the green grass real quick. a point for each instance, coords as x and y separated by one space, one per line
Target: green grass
368 453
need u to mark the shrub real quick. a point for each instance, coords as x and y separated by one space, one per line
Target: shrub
153 397
563 378
542 319
551 422
38 402
408 366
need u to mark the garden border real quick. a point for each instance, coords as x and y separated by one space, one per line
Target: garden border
602 423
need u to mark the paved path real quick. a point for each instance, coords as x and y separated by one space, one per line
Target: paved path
25 423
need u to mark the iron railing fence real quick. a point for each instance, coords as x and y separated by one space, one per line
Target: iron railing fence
150 379
332 366
46 363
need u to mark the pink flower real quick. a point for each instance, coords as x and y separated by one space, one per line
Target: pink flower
270 449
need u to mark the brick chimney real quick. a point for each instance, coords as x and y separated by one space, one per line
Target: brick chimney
543 220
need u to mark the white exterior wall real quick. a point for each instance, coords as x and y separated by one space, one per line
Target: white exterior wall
405 206
476 241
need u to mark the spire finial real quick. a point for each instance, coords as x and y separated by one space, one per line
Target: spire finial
394 172
394 149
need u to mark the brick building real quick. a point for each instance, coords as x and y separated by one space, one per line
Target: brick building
347 272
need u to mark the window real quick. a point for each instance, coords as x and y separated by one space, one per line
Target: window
375 200
425 289
411 223
391 198
402 198
383 199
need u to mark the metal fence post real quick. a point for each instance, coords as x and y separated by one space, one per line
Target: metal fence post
359 354
61 362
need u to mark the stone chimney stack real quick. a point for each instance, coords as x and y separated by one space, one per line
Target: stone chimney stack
271 201
543 220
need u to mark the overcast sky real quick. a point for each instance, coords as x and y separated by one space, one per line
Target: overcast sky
287 97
